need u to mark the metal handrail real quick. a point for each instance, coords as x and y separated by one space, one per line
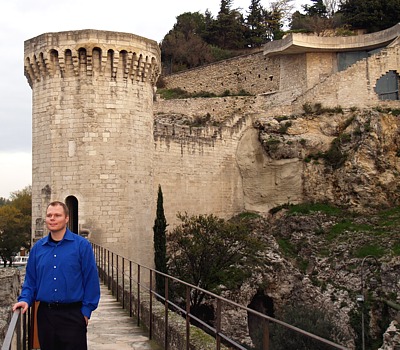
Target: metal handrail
18 332
108 277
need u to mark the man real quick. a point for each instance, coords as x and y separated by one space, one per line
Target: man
62 274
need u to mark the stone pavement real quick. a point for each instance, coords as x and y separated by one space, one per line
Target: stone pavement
111 328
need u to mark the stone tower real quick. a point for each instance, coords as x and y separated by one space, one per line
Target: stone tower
92 132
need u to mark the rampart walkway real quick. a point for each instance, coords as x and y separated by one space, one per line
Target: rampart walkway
111 328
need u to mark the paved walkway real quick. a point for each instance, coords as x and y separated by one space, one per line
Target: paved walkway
111 328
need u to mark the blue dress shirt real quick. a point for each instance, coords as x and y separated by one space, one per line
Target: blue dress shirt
63 272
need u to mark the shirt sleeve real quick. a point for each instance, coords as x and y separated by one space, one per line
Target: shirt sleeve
28 292
91 284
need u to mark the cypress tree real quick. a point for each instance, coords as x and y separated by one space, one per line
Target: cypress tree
160 249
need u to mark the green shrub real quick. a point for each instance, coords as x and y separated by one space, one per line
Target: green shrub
396 249
369 249
176 93
334 157
308 318
307 208
307 108
286 247
284 127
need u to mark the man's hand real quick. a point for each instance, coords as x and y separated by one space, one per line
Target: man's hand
86 319
21 304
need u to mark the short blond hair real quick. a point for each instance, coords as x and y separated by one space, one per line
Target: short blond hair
59 203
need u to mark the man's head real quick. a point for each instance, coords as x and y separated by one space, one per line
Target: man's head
57 216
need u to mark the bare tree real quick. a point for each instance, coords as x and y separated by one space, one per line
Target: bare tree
331 6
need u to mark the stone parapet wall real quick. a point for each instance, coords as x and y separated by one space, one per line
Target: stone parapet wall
252 73
91 53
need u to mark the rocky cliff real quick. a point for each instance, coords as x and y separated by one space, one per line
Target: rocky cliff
349 158
332 224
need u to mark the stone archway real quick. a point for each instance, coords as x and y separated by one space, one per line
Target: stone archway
263 304
72 204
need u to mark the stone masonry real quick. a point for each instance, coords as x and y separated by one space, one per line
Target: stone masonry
99 137
92 133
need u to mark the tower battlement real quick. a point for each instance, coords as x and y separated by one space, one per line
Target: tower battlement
92 53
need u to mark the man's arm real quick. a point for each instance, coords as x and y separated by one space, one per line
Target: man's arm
91 283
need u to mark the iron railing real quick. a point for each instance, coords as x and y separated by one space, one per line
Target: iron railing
133 284
18 336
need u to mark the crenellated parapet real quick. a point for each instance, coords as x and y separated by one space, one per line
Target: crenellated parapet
89 53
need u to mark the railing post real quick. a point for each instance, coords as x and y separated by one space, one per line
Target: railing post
265 334
112 273
117 272
30 333
103 265
130 288
138 296
18 333
187 317
25 336
151 306
108 269
166 315
218 324
123 282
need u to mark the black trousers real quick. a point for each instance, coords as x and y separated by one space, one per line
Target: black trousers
61 328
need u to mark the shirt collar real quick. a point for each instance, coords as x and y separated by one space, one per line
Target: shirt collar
69 236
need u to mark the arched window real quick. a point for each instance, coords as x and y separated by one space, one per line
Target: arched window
72 204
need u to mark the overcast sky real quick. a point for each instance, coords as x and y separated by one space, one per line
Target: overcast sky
24 19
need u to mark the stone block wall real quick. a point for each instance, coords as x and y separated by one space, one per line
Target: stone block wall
220 109
198 173
92 133
354 87
253 73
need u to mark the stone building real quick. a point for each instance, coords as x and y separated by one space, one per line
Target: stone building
101 143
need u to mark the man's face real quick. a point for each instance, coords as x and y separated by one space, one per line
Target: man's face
56 219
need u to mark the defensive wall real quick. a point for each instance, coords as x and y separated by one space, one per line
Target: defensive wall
294 78
102 144
303 68
252 73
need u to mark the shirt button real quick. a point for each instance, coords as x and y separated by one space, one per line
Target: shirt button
55 290
55 266
55 278
55 255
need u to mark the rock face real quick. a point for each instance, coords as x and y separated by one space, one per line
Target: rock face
391 337
315 263
9 288
350 159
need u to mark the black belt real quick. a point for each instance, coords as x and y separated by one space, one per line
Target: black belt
60 306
